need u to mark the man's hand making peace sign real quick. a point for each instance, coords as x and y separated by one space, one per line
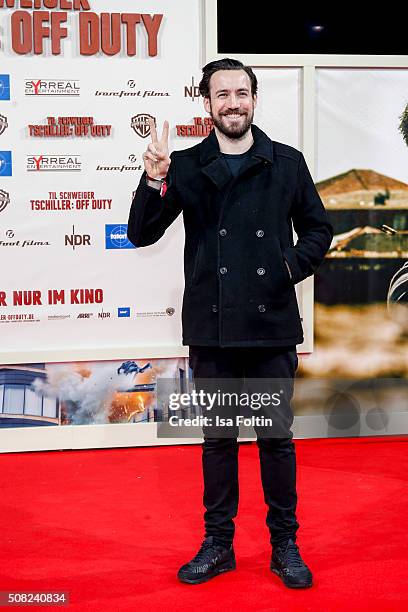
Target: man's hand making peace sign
156 159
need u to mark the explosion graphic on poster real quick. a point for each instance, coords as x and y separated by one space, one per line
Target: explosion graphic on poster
106 392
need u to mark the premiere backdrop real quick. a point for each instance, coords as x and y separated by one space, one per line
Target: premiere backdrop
76 90
77 86
71 150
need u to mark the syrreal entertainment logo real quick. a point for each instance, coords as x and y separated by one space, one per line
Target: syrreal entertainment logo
4 87
54 163
140 124
3 124
116 237
52 87
4 199
5 163
76 240
192 91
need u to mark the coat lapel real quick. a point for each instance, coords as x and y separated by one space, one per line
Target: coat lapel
213 165
218 172
215 168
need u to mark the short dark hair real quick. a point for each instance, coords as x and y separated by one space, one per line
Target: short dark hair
225 64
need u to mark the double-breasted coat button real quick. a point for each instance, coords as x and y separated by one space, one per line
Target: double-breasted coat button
223 232
261 308
260 271
214 308
260 233
223 270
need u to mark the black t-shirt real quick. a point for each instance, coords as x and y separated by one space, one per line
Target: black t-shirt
235 161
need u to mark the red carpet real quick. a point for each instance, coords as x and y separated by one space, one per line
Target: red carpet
112 527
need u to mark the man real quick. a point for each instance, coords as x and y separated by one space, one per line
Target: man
239 193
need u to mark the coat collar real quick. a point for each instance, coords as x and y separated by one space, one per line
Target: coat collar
214 165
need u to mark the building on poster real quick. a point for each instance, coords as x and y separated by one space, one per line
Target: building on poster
88 393
361 310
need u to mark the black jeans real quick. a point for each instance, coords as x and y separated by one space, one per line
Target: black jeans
220 454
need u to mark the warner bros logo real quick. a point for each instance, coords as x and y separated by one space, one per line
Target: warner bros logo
3 124
4 199
140 123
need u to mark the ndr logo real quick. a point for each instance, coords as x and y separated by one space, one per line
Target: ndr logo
76 240
116 237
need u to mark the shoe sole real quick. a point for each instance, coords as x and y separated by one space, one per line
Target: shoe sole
304 585
221 569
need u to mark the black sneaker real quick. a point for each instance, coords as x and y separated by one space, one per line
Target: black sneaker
289 566
211 560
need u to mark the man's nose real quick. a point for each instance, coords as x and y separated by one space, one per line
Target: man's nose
233 100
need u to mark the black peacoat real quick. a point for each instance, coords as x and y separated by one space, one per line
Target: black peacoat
238 290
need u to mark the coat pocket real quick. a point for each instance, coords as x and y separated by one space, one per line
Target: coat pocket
274 283
285 266
197 262
285 280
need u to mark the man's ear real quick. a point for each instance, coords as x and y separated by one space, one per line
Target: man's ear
207 104
255 97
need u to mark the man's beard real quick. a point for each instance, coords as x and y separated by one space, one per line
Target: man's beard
236 130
